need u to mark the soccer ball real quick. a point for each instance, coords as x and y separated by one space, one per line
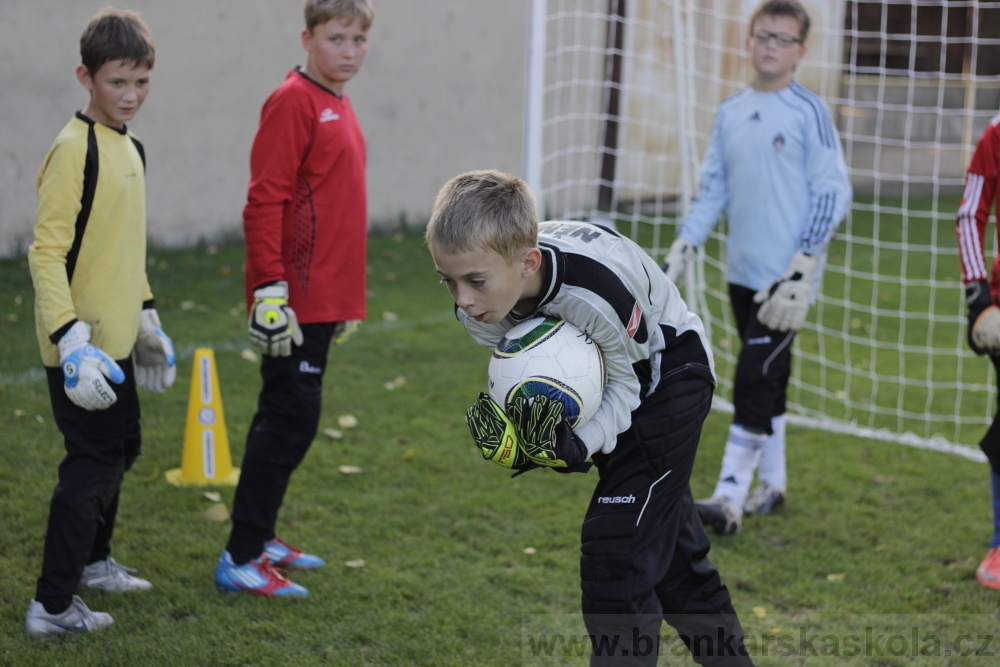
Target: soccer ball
551 357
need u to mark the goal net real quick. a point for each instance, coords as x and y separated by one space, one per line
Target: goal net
622 96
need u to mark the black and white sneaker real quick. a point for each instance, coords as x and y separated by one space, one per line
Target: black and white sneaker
720 513
77 618
764 499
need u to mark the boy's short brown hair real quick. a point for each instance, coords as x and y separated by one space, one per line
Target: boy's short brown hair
484 210
319 12
116 34
792 8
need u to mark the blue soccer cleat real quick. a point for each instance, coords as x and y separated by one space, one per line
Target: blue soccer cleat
258 576
284 555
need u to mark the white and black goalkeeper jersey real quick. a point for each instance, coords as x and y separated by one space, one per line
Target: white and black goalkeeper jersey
610 288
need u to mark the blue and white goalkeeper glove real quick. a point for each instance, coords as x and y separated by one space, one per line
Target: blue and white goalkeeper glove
786 301
677 259
272 323
86 370
155 368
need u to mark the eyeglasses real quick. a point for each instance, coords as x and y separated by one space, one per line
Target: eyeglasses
784 41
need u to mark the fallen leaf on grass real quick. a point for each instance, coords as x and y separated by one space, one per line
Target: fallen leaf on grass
249 355
408 454
347 421
214 496
390 316
837 576
350 470
355 563
18 412
759 612
396 384
332 433
530 550
217 512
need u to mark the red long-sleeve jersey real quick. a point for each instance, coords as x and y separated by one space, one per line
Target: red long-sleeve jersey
980 195
306 216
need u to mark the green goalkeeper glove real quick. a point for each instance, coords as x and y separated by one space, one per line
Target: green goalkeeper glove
545 437
494 433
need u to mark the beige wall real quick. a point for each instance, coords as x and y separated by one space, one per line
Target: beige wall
442 91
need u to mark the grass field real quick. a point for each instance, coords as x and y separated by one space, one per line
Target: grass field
871 562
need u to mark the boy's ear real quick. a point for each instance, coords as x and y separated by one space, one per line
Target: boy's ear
83 76
532 261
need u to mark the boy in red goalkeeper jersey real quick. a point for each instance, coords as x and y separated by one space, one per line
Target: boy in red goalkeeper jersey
982 293
305 224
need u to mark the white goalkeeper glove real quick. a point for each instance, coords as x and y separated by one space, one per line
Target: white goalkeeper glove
343 330
984 319
272 323
786 301
155 368
677 259
85 368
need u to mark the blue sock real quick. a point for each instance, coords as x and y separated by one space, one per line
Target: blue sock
995 542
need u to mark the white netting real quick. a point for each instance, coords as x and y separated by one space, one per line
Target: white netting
622 98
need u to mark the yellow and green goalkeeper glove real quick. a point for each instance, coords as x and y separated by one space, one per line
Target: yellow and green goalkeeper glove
545 437
494 433
272 323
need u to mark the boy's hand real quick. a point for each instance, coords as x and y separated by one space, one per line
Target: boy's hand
343 330
85 368
786 302
984 319
155 368
677 259
544 436
494 433
272 323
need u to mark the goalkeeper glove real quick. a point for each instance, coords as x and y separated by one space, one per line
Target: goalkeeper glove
272 323
494 433
155 368
545 437
984 319
84 370
343 330
786 301
677 259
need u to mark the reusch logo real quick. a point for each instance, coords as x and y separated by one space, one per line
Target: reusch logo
616 500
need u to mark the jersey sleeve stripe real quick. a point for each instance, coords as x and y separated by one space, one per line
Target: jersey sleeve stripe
820 223
970 246
824 124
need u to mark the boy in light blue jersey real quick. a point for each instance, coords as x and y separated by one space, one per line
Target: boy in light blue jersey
776 168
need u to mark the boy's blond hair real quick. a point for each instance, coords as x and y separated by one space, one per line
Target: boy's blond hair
319 12
484 210
792 8
113 35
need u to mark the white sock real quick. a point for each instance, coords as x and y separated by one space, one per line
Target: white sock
772 456
739 463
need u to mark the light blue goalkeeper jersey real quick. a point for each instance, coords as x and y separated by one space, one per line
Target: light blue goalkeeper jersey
776 168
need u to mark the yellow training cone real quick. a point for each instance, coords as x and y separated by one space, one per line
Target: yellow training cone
205 459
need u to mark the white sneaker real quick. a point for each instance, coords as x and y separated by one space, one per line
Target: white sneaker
76 618
764 499
721 514
110 575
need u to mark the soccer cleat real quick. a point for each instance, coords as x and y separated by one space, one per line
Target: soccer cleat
764 499
284 555
258 576
76 618
110 575
988 572
720 513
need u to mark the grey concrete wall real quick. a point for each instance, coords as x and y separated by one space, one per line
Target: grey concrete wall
442 91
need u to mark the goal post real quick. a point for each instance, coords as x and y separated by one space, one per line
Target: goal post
622 96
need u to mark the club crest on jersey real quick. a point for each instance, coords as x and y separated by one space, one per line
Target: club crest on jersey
779 142
327 115
634 321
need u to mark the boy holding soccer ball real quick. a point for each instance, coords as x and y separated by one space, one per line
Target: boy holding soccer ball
644 551
305 224
93 309
775 167
982 293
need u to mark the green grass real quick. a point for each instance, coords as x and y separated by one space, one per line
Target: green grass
875 535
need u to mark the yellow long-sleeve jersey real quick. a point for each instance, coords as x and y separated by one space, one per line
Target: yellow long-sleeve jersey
88 258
